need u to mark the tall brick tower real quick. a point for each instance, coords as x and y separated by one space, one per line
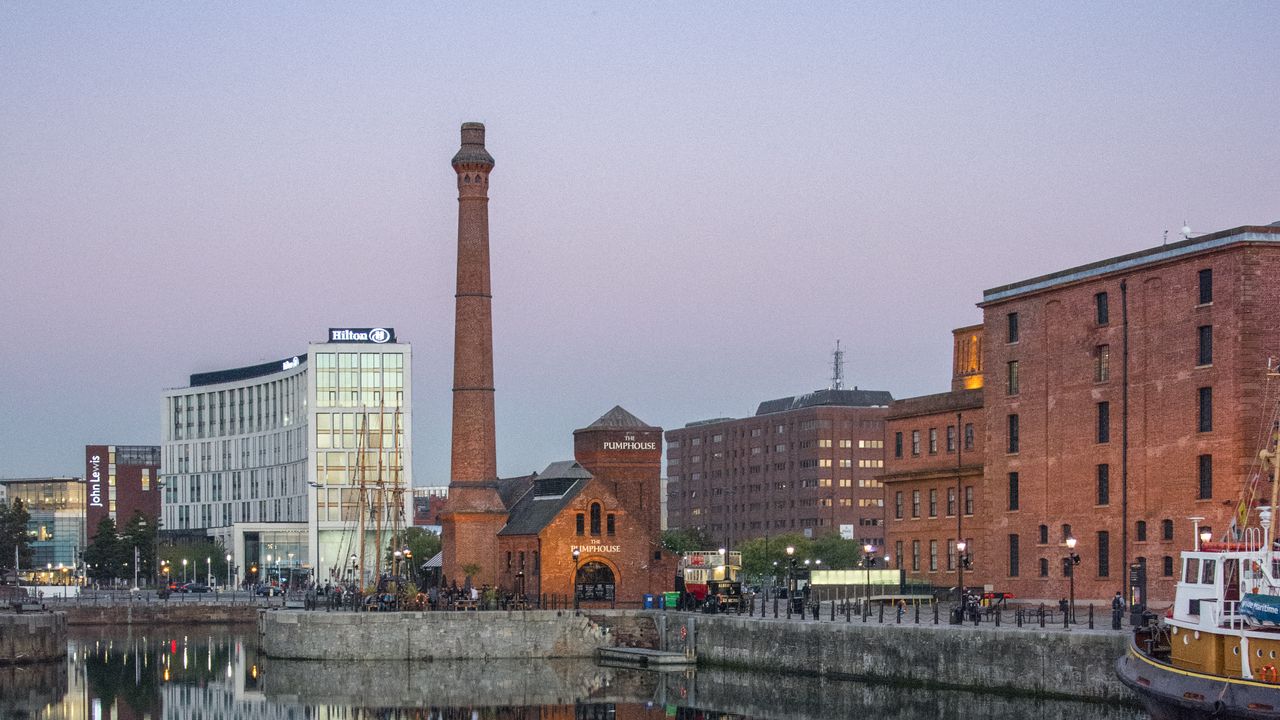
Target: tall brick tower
625 453
474 512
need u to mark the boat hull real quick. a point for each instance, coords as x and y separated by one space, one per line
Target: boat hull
1173 694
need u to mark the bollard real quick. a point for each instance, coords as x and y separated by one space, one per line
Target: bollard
1017 617
977 617
848 611
790 602
917 613
866 610
1090 616
881 613
833 612
775 607
935 613
997 617
1066 619
1042 615
816 607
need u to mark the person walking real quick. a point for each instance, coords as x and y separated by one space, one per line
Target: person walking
1117 610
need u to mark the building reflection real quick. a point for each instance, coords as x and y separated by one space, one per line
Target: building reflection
217 674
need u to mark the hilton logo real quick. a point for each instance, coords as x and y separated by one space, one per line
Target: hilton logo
629 442
377 336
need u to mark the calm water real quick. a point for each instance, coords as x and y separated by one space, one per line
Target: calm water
217 674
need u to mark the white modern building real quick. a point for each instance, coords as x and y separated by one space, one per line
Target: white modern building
285 462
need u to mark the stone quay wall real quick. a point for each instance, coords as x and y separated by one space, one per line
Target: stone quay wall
1042 662
162 614
450 635
32 637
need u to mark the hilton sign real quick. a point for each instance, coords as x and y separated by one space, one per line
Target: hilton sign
629 442
376 336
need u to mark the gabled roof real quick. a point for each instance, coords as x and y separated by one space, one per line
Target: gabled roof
618 418
552 490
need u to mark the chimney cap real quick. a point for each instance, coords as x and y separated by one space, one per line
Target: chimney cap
472 152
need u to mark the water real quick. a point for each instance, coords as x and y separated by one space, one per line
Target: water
217 674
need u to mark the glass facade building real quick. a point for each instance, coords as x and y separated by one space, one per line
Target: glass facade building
284 462
57 524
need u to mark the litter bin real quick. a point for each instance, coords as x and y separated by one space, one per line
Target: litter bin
648 602
671 600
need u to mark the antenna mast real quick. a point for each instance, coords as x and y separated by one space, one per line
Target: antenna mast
837 368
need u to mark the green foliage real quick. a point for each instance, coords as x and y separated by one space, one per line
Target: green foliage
106 557
471 570
423 544
767 557
139 533
682 540
13 534
196 555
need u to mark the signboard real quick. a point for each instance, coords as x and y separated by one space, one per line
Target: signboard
629 442
376 336
846 532
94 481
595 592
587 549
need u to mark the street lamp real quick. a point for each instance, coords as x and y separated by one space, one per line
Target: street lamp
868 560
409 569
1206 534
791 578
576 554
398 556
184 570
208 570
229 571
962 563
1069 564
353 566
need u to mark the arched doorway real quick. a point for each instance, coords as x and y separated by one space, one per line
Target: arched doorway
594 582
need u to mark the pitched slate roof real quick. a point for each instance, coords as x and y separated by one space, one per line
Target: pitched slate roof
619 418
552 490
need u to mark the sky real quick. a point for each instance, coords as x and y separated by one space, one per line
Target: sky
691 203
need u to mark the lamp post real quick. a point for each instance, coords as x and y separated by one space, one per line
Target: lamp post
791 578
868 561
1206 534
1069 565
396 556
208 570
576 554
353 567
184 570
229 571
962 563
409 569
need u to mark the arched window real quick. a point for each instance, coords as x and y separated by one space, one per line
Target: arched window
595 518
594 582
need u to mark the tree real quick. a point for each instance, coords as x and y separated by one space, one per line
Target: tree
422 544
13 534
140 533
767 557
201 557
105 556
837 553
683 540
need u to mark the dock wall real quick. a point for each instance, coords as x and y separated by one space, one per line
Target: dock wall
32 637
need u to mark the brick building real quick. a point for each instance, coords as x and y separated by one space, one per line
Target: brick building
1123 397
806 464
933 472
605 505
120 480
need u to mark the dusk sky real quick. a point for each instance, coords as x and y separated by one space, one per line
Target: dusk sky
692 201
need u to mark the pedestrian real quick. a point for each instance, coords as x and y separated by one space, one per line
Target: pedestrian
1117 610
902 608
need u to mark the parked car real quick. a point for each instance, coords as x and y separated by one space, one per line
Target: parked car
194 587
268 591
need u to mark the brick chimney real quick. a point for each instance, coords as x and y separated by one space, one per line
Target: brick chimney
474 512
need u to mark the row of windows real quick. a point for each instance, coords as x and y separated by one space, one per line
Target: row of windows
595 511
1102 434
933 440
899 502
781 429
255 408
1102 306
900 560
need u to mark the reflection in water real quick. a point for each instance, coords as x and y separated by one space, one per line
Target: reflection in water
217 674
